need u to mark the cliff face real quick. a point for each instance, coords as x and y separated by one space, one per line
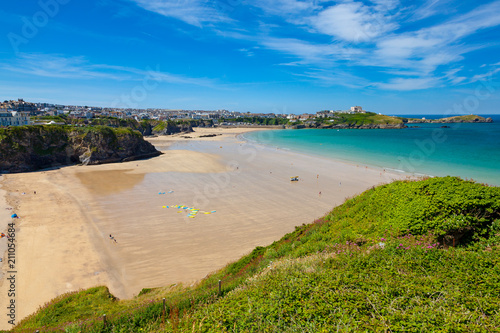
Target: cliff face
29 148
169 128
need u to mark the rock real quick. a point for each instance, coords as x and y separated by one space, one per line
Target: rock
30 148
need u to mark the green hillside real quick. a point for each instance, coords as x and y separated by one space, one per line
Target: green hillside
404 257
365 119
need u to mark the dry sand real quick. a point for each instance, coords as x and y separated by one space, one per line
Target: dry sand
63 232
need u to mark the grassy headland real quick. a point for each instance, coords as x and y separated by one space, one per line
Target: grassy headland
406 256
454 119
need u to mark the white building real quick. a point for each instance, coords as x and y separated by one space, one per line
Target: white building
357 109
14 118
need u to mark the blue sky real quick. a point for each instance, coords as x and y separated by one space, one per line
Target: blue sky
282 56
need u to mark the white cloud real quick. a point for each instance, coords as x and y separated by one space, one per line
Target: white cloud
429 8
495 68
405 84
284 7
310 53
426 49
458 79
379 37
194 12
336 77
57 66
403 47
247 52
353 22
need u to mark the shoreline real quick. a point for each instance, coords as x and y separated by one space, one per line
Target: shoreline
413 175
66 225
424 156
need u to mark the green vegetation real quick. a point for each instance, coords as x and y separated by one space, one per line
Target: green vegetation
58 119
454 119
367 118
466 118
403 257
145 126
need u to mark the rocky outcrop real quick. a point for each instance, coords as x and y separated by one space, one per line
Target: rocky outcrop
350 126
29 148
169 128
145 127
457 119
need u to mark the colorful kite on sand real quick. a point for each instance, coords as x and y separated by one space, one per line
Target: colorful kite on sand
192 211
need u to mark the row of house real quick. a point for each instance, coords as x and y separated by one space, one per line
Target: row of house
324 114
14 118
17 113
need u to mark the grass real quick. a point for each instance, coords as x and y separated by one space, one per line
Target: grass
383 261
367 118
466 118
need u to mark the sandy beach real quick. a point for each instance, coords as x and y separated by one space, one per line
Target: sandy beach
62 234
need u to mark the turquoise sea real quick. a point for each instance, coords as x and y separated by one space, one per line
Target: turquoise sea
470 151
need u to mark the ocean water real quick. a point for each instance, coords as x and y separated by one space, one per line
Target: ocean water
470 151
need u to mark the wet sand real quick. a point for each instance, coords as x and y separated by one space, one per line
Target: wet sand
63 232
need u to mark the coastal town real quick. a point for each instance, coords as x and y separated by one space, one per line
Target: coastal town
18 112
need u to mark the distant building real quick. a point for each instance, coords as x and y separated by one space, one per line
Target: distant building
357 109
305 116
14 118
324 114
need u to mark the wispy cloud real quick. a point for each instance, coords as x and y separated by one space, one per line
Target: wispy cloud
285 7
353 22
375 38
489 75
409 84
194 12
335 78
428 9
58 66
426 49
308 52
247 52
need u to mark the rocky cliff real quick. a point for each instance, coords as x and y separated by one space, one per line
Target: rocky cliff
457 119
29 148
